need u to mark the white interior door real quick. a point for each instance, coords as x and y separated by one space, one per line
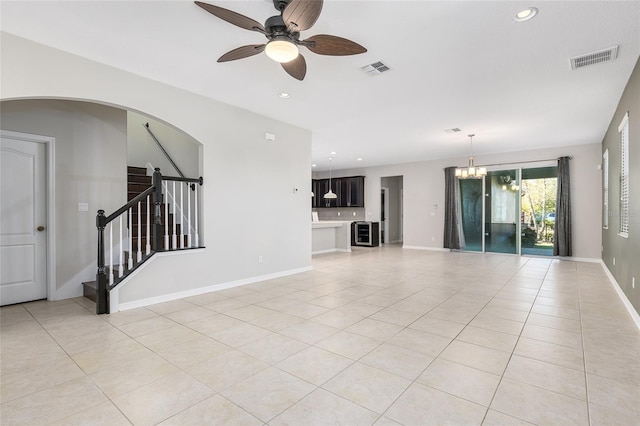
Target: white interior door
23 228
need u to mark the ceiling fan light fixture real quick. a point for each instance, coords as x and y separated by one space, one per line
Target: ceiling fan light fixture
281 50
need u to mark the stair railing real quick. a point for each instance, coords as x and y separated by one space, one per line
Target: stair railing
129 238
179 214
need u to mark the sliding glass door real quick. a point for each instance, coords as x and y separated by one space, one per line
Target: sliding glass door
510 211
502 207
471 205
539 192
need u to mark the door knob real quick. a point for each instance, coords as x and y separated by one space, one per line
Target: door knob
40 228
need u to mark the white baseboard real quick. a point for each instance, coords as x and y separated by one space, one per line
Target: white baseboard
196 291
623 297
333 250
426 248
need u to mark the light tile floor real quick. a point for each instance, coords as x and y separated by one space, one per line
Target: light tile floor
381 336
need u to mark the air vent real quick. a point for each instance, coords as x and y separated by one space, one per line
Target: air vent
375 69
454 130
594 58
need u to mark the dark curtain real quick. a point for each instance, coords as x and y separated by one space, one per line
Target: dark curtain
451 229
562 238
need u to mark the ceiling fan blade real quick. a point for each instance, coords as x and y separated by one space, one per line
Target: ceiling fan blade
242 52
296 68
232 17
334 46
300 15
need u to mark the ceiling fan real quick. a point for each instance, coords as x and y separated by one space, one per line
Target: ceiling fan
283 33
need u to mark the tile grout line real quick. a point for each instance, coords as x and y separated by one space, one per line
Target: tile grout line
514 347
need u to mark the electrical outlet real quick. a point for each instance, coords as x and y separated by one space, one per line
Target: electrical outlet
338 213
614 261
354 213
83 207
633 282
260 259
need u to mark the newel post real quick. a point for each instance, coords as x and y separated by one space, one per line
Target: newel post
157 211
102 294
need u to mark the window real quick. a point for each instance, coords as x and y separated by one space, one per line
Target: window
605 187
623 129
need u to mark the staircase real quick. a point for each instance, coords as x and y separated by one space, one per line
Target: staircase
138 182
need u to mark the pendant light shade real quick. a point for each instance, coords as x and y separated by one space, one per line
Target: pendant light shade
471 171
330 195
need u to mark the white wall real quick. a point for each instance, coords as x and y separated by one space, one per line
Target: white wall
423 184
90 167
142 149
249 206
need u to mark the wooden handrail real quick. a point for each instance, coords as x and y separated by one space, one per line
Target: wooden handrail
130 204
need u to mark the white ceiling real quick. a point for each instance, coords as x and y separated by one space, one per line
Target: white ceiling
459 64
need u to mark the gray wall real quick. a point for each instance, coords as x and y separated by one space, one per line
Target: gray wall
626 251
90 167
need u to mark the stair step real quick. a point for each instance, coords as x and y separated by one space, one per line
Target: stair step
139 179
89 290
133 170
137 187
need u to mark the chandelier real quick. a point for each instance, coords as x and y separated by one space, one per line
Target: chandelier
471 171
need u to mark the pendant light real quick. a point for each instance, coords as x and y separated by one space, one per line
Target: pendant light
472 171
330 195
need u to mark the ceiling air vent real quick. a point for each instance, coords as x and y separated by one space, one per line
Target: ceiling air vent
454 130
375 69
594 58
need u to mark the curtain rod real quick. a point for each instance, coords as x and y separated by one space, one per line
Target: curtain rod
522 162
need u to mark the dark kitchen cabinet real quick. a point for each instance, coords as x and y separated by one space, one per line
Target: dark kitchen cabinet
349 192
316 188
323 188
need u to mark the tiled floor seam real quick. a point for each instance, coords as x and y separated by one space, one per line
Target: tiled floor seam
584 358
514 348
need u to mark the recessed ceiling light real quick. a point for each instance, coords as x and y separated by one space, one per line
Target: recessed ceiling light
358 159
284 95
525 14
333 153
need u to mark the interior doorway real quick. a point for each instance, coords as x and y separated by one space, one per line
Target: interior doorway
391 194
